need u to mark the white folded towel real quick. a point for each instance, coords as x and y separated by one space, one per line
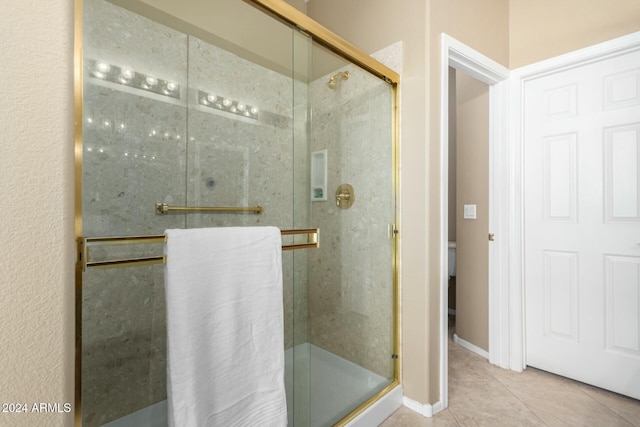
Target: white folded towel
225 332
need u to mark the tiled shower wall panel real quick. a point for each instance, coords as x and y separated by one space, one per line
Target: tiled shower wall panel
350 277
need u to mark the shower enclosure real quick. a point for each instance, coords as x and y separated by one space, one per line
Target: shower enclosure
232 108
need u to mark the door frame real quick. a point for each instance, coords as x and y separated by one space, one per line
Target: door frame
519 77
507 346
463 58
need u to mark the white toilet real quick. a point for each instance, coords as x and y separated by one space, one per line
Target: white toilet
452 259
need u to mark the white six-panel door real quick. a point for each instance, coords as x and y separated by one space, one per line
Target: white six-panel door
582 223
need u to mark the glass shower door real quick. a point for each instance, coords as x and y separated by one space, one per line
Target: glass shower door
194 106
183 111
248 147
350 349
134 133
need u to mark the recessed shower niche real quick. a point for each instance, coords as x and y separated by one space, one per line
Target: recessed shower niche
192 106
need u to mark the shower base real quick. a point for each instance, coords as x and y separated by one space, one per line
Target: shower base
325 384
151 416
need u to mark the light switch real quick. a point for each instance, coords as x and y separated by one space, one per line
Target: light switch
470 212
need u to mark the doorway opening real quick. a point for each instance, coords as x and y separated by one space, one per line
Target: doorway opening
462 58
468 230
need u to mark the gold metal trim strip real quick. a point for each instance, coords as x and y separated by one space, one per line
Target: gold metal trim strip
395 248
299 246
300 231
163 209
124 240
313 241
131 262
77 144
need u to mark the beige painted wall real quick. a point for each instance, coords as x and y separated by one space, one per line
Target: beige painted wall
301 5
472 273
36 219
543 29
453 168
452 206
483 26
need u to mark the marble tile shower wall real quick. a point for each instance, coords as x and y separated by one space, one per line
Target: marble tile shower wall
350 294
141 148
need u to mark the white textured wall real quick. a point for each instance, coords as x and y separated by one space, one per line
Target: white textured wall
36 208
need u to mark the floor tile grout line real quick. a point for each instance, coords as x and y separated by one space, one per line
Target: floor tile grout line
494 379
454 417
602 403
569 381
573 384
525 405
498 381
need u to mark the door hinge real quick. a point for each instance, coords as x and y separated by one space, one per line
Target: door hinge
393 230
492 237
394 356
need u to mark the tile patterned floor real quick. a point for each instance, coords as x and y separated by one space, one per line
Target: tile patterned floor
481 394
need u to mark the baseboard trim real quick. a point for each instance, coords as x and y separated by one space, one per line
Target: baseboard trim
474 348
424 409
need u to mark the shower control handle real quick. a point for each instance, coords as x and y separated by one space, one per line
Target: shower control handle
342 197
345 196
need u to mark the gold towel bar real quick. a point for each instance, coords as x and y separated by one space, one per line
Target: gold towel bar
163 208
84 243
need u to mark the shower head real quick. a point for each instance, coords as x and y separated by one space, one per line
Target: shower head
333 80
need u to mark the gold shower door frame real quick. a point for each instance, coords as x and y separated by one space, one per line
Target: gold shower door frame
280 10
